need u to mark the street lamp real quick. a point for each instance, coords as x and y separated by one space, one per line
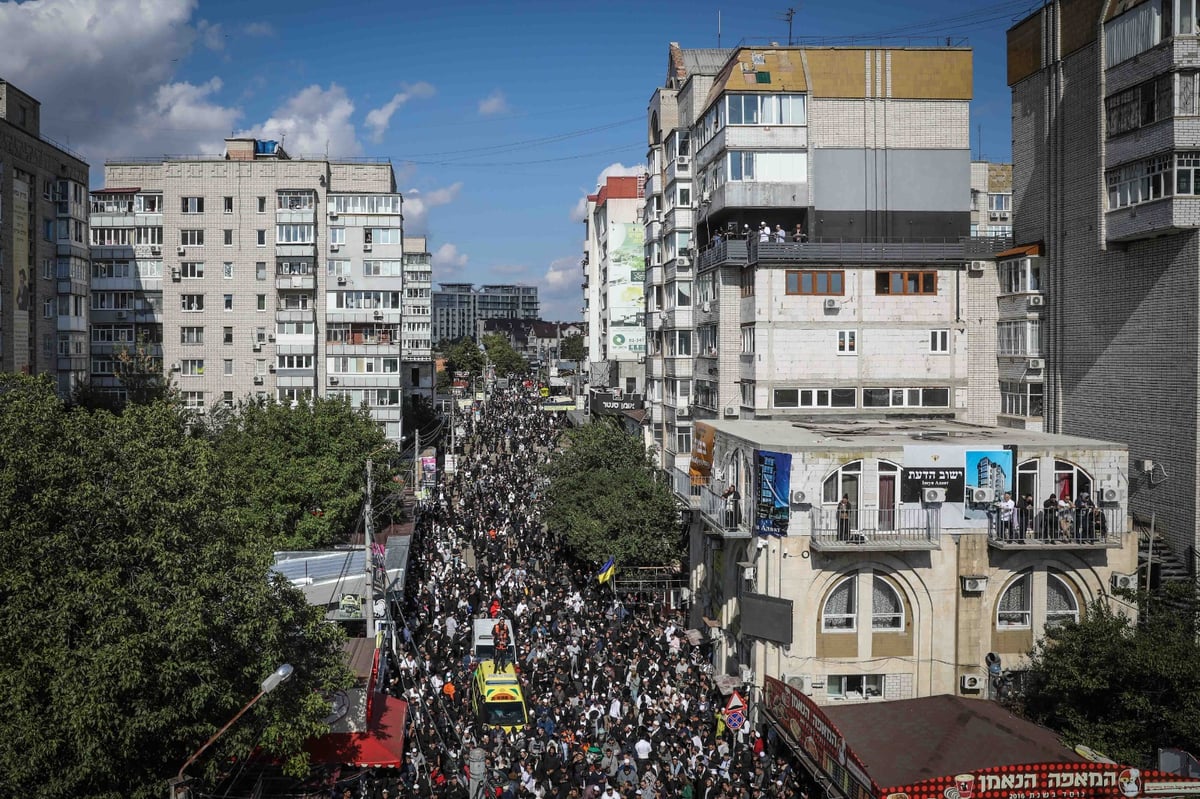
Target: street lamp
273 681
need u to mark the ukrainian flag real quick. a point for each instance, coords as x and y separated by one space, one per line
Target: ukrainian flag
607 570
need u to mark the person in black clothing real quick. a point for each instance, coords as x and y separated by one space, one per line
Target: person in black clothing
844 511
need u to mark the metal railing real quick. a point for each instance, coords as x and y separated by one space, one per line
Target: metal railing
1104 527
898 528
724 252
930 250
727 513
687 488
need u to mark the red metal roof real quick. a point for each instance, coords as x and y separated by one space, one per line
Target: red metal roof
621 188
1024 250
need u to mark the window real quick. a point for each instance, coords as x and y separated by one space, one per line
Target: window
1020 275
191 270
683 440
227 399
1000 202
228 205
765 109
1070 481
906 282
839 613
365 204
1019 338
149 235
260 335
261 238
382 235
228 237
748 339
228 302
1015 610
1140 105
382 268
1021 399
260 270
191 302
294 234
296 200
262 205
741 165
847 342
746 276
227 270
294 361
193 400
823 282
683 294
192 205
843 481
148 204
191 237
853 686
815 397
192 367
337 235
887 609
1062 607
1148 180
747 389
227 335
684 196
105 236
191 335
939 342
906 397
261 300
338 268
227 365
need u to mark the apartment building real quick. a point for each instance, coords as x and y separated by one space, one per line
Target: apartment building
861 560
1106 113
459 307
43 248
614 268
259 274
991 199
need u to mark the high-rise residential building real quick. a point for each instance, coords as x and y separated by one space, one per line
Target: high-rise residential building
823 270
1106 187
459 307
258 274
614 266
991 199
416 354
43 248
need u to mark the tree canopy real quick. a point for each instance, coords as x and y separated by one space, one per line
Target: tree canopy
1120 687
574 348
464 355
606 498
136 612
502 355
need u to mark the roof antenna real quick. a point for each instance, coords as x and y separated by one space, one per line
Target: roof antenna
787 16
718 29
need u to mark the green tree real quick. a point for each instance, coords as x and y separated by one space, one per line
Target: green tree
1120 687
299 471
464 356
606 498
502 355
140 375
136 613
574 348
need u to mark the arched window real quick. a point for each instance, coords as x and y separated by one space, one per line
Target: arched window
844 481
887 609
1027 481
840 608
1061 604
1070 481
1015 610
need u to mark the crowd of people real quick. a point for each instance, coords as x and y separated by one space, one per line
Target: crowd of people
1060 519
621 702
764 234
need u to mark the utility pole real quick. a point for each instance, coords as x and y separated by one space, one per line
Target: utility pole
368 564
417 461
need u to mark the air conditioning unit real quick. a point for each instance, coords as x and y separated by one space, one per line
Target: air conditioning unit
975 267
258 380
156 250
974 584
1037 301
175 367
994 216
801 682
333 214
798 497
270 337
379 314
683 413
748 573
641 359
831 304
683 262
333 381
176 275
982 495
341 280
271 368
1123 582
972 682
257 347
706 306
933 495
732 413
366 248
1036 364
335 247
181 250
683 161
1108 492
122 314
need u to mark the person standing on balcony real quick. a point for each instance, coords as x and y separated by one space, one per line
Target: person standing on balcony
798 235
780 235
733 501
844 511
1006 510
764 233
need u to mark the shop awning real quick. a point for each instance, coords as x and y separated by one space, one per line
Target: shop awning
381 745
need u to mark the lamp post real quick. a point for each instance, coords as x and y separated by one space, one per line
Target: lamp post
276 678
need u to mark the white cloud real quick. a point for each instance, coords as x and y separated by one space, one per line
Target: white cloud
378 119
313 121
559 294
186 107
258 29
494 103
579 209
211 36
418 203
447 260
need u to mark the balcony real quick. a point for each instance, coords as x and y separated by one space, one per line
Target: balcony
875 251
687 488
875 529
1072 528
730 516
726 253
293 281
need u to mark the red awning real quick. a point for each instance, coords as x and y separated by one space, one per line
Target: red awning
381 745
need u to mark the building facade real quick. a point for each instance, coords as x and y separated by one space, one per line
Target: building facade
991 199
614 269
258 275
866 560
44 269
458 308
1107 206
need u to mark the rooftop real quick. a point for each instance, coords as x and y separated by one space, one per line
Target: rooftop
889 433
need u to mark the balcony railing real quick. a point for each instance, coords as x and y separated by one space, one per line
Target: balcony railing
723 253
1070 528
874 528
877 250
687 488
731 516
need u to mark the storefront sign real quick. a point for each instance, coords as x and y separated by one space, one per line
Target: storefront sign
704 437
806 726
608 404
914 481
1089 780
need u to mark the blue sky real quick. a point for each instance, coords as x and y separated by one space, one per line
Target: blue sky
498 117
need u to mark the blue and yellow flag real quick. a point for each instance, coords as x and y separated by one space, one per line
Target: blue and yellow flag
607 570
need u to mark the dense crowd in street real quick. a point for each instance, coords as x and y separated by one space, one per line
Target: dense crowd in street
621 704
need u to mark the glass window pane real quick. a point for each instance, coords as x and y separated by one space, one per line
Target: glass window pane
875 397
822 282
842 398
897 286
835 283
806 283
929 282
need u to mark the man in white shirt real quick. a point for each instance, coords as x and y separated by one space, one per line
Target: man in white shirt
643 748
1007 510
